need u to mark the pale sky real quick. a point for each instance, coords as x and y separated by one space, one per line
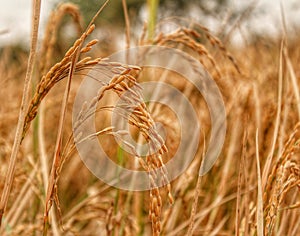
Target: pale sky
15 17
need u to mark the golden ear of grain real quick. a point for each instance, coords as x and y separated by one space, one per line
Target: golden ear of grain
186 40
189 37
124 82
57 72
281 180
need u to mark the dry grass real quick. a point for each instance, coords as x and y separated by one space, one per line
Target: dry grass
253 189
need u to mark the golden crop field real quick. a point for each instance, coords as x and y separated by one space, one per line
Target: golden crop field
190 134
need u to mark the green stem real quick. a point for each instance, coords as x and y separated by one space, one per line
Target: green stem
152 17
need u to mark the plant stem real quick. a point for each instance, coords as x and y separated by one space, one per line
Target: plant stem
152 17
23 108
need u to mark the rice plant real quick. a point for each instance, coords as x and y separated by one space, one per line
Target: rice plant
47 188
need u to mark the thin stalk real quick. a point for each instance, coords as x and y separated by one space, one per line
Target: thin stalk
196 198
267 166
57 153
23 108
127 23
152 17
120 158
259 210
